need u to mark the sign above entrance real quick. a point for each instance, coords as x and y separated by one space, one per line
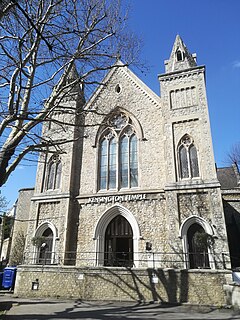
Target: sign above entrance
122 198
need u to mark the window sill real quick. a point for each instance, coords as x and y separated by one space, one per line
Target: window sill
118 191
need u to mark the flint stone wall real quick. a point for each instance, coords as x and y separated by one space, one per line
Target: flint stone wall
203 287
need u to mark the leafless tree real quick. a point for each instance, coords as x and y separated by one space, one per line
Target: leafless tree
41 43
6 6
3 204
234 155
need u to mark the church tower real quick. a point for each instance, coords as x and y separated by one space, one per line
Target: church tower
184 104
192 190
53 218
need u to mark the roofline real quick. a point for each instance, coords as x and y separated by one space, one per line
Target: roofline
136 79
26 189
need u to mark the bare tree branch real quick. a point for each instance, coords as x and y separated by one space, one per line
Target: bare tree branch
234 155
42 43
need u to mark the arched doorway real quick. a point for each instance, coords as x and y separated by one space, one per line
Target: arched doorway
101 230
197 240
46 248
118 248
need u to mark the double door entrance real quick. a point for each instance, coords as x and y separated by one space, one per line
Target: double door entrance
118 249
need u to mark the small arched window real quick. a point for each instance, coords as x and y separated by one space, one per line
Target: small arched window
54 173
118 155
179 55
188 159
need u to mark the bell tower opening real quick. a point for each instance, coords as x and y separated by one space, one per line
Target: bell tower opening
179 55
118 248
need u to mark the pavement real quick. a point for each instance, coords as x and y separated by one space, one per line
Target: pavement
56 309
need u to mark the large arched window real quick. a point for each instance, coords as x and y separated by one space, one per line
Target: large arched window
188 159
54 173
118 155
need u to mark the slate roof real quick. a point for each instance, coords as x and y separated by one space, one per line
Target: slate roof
228 177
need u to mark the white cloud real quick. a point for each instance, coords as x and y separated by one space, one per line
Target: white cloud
236 64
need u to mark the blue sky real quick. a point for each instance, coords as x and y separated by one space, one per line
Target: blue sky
211 28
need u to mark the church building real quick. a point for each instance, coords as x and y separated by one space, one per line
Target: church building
136 186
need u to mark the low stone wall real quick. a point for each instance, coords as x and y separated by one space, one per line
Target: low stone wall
203 287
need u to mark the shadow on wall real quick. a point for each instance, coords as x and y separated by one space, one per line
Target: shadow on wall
165 286
176 289
232 218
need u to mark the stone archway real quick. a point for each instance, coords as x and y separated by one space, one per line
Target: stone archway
190 228
104 222
197 247
118 248
46 235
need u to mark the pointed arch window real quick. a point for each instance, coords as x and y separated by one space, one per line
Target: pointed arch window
54 173
108 161
179 55
118 155
188 158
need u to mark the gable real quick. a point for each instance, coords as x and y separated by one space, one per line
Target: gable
120 87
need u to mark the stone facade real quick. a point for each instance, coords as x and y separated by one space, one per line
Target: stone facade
94 218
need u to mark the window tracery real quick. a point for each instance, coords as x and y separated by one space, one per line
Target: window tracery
188 158
118 154
54 173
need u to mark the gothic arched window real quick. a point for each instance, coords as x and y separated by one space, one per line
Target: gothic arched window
54 173
179 55
118 155
188 159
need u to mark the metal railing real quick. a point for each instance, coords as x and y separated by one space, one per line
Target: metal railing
147 259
